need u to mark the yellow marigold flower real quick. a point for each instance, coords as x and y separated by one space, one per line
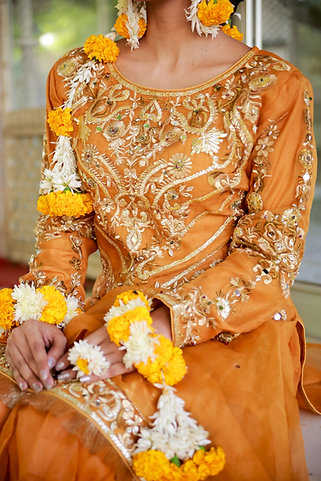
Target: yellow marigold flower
203 471
232 32
175 369
56 309
60 122
65 203
214 462
199 456
101 48
6 309
127 296
169 365
118 327
121 26
151 465
214 12
83 365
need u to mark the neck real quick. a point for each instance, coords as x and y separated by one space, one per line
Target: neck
168 33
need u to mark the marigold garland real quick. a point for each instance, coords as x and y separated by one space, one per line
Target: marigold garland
152 465
214 12
122 29
232 32
60 122
24 302
101 48
65 203
168 450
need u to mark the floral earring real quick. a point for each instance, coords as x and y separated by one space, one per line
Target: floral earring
131 22
209 16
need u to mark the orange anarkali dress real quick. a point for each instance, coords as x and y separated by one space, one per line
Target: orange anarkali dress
201 200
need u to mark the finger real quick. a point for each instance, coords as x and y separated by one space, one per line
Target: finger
39 353
114 370
19 343
58 347
119 368
62 362
22 383
66 375
22 369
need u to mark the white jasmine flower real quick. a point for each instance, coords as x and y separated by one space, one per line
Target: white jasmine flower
72 309
46 185
87 359
122 308
30 303
140 345
173 431
64 180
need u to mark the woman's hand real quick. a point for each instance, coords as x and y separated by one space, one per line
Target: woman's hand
161 323
32 350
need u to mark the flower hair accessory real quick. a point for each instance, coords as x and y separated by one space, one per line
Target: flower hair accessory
172 448
45 304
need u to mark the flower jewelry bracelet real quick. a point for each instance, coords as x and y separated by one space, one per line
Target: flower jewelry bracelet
173 447
45 304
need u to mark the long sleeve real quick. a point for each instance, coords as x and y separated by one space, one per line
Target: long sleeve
63 243
251 285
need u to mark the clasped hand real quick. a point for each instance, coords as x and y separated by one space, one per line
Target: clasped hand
35 348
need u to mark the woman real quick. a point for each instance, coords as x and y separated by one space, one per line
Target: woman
198 154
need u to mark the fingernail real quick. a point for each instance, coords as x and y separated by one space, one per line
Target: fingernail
51 362
37 387
22 386
84 379
49 383
63 376
44 374
60 366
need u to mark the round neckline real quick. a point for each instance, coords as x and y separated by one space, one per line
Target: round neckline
187 90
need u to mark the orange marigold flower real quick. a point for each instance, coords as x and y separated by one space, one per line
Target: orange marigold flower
129 296
199 456
65 203
151 465
60 122
6 309
215 460
101 48
169 365
119 327
232 32
56 309
121 26
214 12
